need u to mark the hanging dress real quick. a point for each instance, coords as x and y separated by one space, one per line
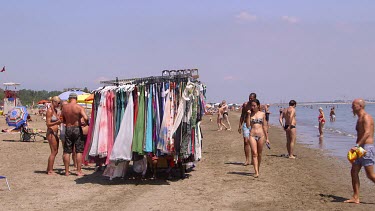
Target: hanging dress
148 145
95 139
122 148
139 132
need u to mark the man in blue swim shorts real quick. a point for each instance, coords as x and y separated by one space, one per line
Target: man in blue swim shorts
365 139
244 129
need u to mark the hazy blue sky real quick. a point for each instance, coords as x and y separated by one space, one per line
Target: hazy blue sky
305 50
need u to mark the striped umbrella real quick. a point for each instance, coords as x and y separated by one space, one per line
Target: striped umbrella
17 116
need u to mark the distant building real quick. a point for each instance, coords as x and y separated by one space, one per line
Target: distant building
11 99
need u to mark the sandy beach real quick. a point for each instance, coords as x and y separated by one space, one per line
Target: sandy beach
313 181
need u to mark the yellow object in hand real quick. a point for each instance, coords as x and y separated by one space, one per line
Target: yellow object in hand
352 156
358 153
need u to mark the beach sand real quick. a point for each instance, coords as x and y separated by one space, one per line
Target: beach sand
313 181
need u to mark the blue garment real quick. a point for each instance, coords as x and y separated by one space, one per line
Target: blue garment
245 131
148 147
369 158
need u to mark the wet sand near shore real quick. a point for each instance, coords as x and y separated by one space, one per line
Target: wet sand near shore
313 181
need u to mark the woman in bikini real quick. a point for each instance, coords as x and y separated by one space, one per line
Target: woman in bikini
53 121
322 121
258 133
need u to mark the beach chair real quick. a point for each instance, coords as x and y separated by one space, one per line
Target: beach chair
6 180
28 134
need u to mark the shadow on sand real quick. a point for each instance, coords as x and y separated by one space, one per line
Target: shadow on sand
235 163
338 198
241 173
10 140
333 197
133 178
280 156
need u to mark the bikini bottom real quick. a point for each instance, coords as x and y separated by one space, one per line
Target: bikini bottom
257 138
291 127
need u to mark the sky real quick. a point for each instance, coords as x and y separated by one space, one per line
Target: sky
303 50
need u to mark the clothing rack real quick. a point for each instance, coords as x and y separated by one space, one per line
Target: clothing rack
167 75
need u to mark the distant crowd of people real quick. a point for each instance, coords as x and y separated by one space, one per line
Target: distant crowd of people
253 126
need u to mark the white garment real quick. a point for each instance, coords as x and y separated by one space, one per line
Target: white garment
95 137
112 170
122 149
198 142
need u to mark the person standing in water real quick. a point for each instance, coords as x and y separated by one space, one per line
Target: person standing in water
322 121
332 115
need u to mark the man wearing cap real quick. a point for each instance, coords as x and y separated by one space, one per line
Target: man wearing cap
72 114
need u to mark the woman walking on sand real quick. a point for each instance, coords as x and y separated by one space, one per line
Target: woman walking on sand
53 121
258 133
322 121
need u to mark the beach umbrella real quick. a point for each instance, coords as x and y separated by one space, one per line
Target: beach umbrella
90 97
65 95
17 116
43 101
82 98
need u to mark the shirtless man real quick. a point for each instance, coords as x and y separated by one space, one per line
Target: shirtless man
244 128
220 123
289 115
224 107
365 139
267 112
72 114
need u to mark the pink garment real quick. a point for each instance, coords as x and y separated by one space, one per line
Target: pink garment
103 125
86 150
110 107
166 144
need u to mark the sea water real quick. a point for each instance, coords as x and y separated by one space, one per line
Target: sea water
339 136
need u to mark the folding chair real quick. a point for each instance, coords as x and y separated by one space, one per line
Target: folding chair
27 134
6 180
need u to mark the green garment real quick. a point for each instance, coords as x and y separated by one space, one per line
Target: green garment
139 129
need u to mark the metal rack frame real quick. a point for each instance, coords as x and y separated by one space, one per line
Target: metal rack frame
183 74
